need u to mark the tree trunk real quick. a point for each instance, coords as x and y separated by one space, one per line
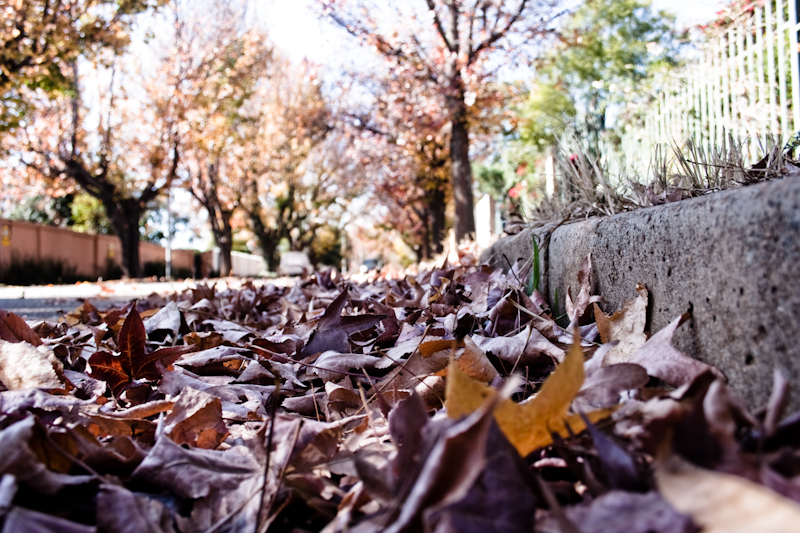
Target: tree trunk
124 216
461 177
223 238
267 240
269 247
437 214
225 261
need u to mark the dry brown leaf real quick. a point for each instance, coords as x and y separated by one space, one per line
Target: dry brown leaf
474 362
196 419
664 361
204 341
724 503
142 411
123 511
626 327
14 329
603 386
24 366
576 308
526 347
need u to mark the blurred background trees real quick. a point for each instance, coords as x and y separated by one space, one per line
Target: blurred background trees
118 116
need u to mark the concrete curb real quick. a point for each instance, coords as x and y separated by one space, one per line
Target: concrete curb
733 258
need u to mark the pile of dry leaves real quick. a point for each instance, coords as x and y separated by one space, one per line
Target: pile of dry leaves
450 402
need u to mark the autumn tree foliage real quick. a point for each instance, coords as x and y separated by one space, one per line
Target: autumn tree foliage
401 140
288 178
116 135
227 65
455 45
41 39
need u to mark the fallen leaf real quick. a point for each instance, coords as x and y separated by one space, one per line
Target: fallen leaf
107 367
530 425
618 465
196 420
333 330
332 365
453 465
15 329
24 366
123 511
200 472
726 503
526 347
203 341
577 308
664 361
500 501
406 422
474 362
623 512
20 460
603 386
167 318
21 520
626 327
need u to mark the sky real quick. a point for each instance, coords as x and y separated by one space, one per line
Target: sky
293 26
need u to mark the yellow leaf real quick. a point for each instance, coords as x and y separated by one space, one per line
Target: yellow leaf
469 357
463 394
529 425
427 349
149 312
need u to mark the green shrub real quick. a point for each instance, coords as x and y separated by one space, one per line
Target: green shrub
112 270
30 271
158 269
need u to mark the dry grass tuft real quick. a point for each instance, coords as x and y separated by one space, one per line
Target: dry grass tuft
677 172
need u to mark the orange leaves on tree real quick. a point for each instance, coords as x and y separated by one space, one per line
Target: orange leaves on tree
529 425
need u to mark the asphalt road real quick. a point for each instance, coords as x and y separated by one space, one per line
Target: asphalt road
49 302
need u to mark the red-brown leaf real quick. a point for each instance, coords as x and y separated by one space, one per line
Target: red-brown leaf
108 368
14 329
130 343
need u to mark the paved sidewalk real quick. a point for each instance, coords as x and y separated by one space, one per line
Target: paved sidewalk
49 302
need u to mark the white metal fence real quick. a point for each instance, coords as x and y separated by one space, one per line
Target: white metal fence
746 82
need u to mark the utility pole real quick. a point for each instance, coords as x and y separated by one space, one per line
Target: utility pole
168 250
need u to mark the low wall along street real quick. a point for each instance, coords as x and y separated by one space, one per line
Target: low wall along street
90 254
732 258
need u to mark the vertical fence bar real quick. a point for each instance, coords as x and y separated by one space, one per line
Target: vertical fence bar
795 66
704 120
719 96
781 53
727 63
763 101
742 82
733 69
774 106
713 98
688 123
739 86
695 110
752 91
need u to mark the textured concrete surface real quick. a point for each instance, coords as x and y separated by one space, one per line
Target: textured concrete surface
733 258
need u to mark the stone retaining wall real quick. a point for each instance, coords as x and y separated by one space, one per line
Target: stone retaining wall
732 258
